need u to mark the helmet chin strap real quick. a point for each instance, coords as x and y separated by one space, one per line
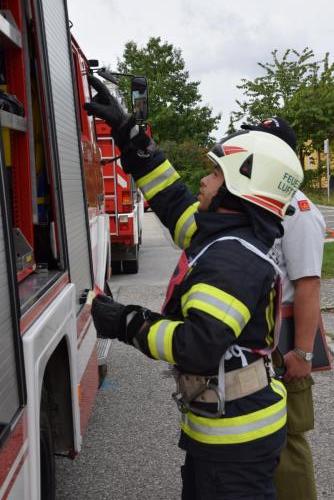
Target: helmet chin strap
225 199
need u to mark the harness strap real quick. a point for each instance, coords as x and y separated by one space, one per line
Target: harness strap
246 244
236 351
262 255
239 383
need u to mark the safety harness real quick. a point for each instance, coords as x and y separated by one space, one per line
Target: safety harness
234 384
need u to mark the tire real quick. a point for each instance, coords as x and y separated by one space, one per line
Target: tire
47 459
116 267
130 266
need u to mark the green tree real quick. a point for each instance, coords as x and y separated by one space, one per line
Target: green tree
269 94
175 109
311 108
298 88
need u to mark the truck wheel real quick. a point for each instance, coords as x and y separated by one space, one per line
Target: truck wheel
47 464
130 266
116 267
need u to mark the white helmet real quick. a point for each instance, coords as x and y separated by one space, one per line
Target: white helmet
260 168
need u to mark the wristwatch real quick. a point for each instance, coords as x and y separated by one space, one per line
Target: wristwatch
306 356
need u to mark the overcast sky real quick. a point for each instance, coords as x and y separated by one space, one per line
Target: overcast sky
221 42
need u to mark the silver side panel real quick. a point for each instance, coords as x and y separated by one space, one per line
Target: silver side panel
56 33
9 400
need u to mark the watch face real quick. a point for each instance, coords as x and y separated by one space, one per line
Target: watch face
307 356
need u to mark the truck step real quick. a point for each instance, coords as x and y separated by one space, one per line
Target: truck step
103 349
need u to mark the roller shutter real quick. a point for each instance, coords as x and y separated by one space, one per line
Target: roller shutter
9 397
59 57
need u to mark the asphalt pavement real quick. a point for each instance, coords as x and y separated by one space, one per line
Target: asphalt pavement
130 449
328 214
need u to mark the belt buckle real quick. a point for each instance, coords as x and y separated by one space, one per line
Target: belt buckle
214 386
182 406
186 406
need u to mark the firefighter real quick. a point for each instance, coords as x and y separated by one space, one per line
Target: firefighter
299 255
219 320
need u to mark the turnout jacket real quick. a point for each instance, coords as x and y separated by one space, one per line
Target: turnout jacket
226 298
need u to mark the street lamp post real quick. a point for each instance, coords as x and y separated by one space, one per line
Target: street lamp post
326 151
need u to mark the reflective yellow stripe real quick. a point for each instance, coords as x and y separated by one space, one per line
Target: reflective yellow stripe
219 304
186 226
157 180
235 430
270 318
160 340
279 388
41 200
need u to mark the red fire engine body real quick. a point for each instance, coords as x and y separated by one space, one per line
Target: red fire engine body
54 246
123 203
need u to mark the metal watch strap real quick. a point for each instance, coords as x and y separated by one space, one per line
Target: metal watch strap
306 356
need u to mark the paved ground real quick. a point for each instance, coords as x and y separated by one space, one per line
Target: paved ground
327 294
328 213
129 451
322 438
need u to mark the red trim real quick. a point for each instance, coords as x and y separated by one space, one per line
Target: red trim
87 390
277 203
264 204
83 322
328 353
36 310
11 448
231 150
17 471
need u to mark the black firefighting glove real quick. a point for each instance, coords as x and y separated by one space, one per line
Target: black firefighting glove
117 321
107 316
130 138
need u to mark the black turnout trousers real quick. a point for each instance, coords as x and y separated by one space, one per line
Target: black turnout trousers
206 480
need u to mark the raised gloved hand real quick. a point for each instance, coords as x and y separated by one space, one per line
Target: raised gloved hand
125 131
117 321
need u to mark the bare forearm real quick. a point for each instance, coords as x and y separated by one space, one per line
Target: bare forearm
306 311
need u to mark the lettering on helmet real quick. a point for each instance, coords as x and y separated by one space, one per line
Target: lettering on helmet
288 184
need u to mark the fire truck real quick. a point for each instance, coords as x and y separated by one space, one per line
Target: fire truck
124 202
54 246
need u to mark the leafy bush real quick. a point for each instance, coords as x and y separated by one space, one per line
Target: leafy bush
319 196
190 160
311 179
328 261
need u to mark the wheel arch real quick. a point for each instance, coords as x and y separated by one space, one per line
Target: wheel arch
56 399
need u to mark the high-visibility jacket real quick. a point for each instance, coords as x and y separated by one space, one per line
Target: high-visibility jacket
226 298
